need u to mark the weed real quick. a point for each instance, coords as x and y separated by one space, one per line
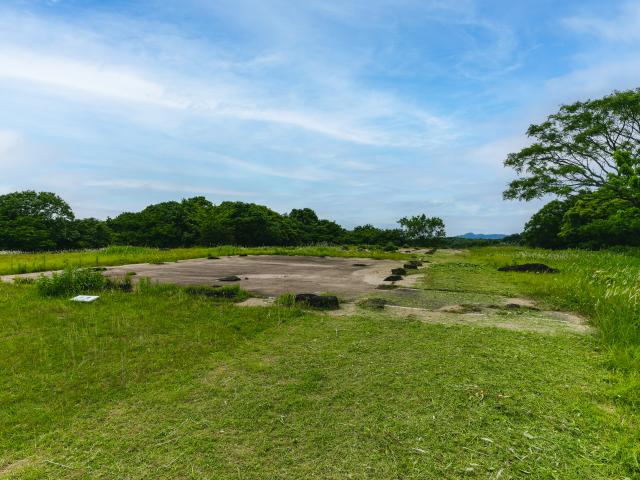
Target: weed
286 300
71 281
226 291
373 303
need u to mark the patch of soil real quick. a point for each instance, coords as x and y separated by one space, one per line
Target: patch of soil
529 267
461 308
256 302
524 302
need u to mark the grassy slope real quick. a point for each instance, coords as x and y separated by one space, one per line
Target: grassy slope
39 262
163 385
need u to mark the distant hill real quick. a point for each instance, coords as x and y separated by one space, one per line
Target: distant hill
486 236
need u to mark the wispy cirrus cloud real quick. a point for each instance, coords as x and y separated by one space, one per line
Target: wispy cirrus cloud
619 24
363 110
163 186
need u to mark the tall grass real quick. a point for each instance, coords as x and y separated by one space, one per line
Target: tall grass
71 281
604 285
12 263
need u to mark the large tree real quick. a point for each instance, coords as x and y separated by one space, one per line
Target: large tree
586 146
421 229
33 221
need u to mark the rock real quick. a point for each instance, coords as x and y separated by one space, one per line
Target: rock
393 278
230 278
417 263
242 254
212 257
327 302
360 265
529 267
398 271
410 266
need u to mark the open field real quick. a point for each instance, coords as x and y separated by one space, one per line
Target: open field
162 384
267 275
11 263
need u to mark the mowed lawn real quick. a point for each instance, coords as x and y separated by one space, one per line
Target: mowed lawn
161 384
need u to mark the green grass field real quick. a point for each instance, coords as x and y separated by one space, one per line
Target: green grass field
163 384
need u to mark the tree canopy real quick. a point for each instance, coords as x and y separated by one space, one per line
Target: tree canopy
31 221
588 155
583 147
421 228
34 221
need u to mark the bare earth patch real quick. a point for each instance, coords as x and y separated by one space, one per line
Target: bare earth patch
14 467
266 275
526 319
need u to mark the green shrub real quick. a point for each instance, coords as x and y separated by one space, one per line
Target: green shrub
390 247
71 281
226 291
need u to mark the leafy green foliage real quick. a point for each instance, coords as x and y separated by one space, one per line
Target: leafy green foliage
422 229
71 281
589 154
32 221
543 229
575 150
599 219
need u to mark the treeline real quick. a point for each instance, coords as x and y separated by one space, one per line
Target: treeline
590 220
37 221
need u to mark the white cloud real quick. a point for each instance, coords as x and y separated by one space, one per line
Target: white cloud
624 26
91 78
9 139
617 73
294 173
135 184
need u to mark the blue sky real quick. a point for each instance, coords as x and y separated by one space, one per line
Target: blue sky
364 110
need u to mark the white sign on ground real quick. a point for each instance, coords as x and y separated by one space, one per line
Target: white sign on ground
85 298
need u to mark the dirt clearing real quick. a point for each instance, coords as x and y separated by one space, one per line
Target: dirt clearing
267 275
